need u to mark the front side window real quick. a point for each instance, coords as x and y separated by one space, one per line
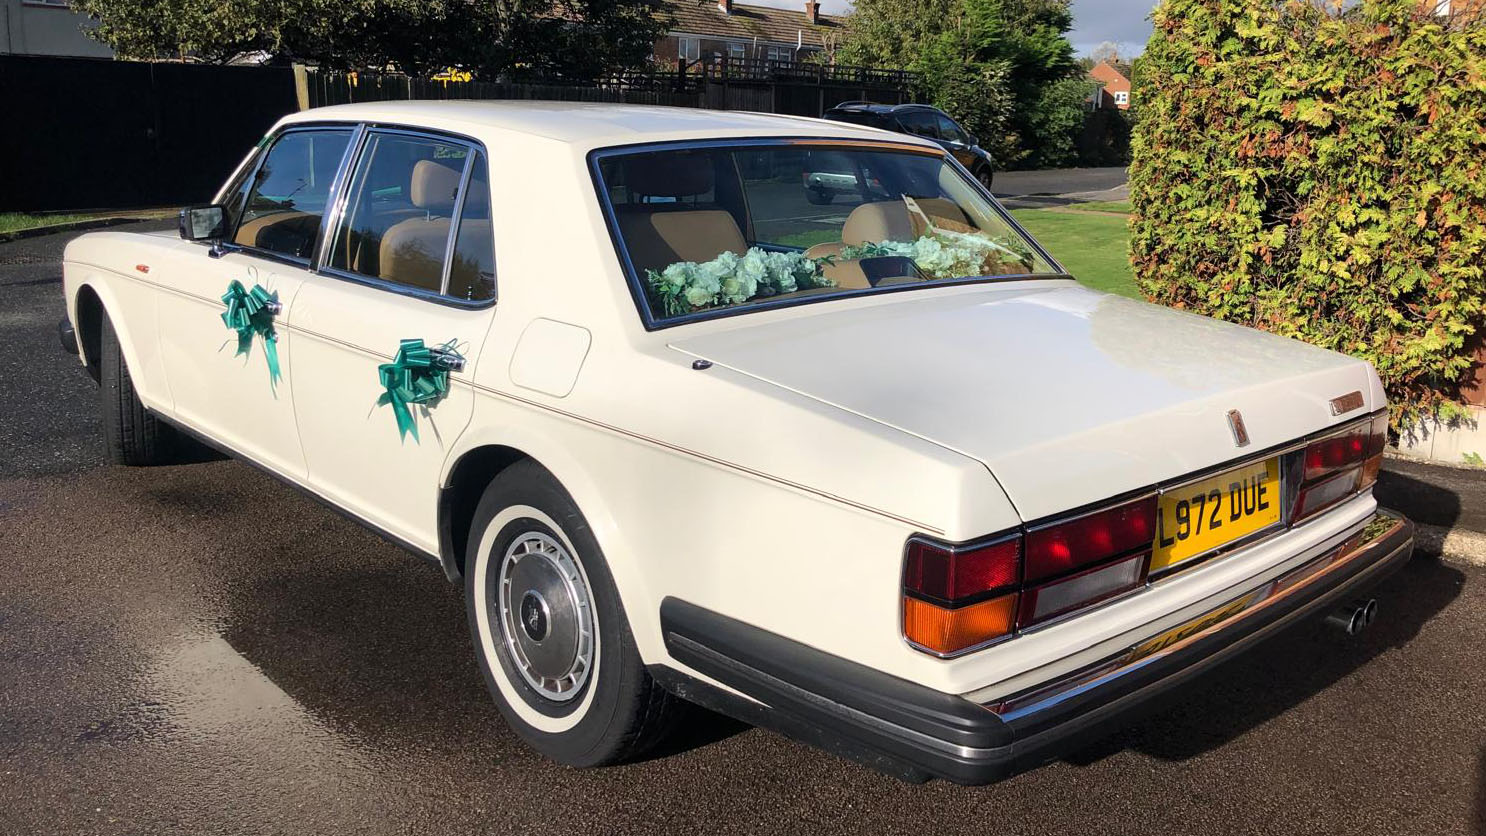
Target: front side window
747 225
287 194
399 210
949 130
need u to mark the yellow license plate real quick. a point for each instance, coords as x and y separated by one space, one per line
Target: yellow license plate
1197 518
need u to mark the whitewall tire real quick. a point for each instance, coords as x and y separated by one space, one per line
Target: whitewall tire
550 631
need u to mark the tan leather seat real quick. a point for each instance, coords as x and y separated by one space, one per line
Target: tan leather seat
873 223
412 251
288 232
659 239
662 233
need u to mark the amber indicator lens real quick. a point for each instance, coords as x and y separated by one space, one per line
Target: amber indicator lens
946 631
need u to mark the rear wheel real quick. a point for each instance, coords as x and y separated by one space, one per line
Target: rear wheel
551 635
819 197
132 435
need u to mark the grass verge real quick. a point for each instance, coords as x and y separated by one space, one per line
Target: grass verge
1092 246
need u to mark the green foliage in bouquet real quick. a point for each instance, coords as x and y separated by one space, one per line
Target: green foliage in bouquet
730 279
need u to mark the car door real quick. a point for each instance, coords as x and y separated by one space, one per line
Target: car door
410 257
956 141
223 387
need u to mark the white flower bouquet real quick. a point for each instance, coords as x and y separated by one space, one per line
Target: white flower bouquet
731 279
944 254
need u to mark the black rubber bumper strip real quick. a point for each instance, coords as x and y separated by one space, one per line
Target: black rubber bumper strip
875 717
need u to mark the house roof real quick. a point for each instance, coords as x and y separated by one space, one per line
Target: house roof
1107 73
703 17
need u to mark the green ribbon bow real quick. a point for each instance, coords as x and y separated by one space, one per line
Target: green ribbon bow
248 314
417 375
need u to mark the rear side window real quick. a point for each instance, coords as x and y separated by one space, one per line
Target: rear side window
920 123
287 195
472 272
400 208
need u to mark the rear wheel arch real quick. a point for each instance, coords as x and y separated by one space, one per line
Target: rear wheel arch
460 494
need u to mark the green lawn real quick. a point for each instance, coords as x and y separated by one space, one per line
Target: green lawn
16 221
12 221
1091 246
1120 206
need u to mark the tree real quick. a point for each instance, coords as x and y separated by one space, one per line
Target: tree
1009 50
574 38
1319 172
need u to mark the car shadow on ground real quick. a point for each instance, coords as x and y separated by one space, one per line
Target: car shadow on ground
1420 501
377 647
1280 673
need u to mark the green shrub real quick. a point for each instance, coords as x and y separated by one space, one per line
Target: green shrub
1319 173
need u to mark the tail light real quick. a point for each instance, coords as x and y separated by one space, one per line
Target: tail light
958 598
1339 465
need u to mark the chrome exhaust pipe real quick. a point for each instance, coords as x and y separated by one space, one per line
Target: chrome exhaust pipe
1354 617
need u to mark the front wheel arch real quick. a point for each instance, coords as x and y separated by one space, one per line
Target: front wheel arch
89 327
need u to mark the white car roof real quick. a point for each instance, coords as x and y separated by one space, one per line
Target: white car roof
590 125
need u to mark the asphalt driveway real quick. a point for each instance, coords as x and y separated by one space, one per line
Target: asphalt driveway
198 649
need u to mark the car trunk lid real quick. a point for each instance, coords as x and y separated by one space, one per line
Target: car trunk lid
1067 395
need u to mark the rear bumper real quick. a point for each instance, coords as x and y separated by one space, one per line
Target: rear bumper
917 733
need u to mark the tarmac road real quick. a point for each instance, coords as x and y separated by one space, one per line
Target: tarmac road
198 649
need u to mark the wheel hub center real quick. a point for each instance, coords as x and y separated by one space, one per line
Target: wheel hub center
534 617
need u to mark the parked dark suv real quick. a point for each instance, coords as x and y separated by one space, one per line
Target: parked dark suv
920 120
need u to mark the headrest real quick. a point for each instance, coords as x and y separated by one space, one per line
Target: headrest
434 185
873 223
669 174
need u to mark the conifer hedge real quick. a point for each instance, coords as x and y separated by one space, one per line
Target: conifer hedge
1320 174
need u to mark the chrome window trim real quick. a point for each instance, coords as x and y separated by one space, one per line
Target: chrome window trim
464 196
337 208
230 245
348 169
637 290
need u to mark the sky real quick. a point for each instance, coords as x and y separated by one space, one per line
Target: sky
1123 22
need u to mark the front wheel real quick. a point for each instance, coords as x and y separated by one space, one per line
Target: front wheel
550 632
984 175
819 197
132 435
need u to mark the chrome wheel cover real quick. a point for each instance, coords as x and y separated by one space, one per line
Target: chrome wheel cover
546 616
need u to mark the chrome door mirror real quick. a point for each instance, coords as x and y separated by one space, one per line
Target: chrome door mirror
203 223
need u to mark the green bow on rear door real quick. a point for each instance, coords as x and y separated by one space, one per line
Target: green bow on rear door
417 375
250 312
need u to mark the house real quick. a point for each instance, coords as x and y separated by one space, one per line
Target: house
706 30
46 27
1116 85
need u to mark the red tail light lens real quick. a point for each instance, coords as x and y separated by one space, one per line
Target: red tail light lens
1335 452
1090 539
952 573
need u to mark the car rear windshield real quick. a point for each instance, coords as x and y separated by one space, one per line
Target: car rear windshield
718 229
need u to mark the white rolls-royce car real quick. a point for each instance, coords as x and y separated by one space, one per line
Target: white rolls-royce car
878 474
